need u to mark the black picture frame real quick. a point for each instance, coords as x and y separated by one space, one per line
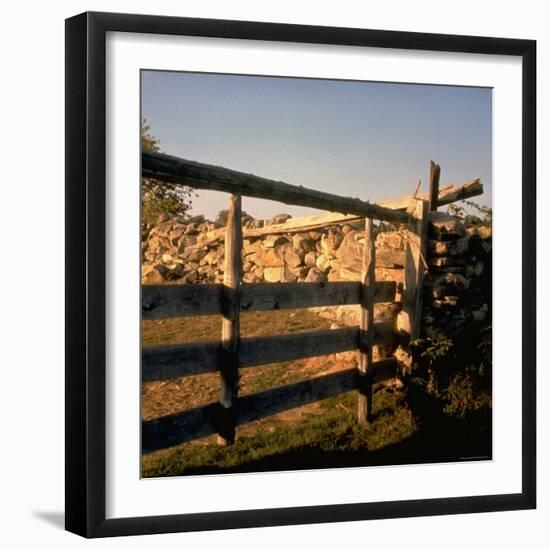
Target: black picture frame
86 277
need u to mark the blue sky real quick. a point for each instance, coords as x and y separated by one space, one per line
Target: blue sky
363 139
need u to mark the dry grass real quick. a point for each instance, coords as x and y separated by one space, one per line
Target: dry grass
316 435
165 397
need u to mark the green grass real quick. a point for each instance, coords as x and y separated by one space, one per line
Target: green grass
323 436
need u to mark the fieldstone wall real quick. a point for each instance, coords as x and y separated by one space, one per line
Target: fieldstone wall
457 284
175 252
458 288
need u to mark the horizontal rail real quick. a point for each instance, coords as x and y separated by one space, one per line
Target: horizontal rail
164 362
205 176
447 195
163 301
187 425
263 350
273 296
275 400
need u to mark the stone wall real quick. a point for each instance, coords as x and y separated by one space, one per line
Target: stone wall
457 285
458 288
182 253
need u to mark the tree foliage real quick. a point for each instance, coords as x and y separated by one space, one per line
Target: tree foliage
160 200
472 213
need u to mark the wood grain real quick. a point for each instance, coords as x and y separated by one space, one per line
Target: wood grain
162 362
230 302
447 195
164 301
417 240
433 194
205 176
366 325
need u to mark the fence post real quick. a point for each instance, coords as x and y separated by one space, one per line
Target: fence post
229 360
410 319
435 172
366 327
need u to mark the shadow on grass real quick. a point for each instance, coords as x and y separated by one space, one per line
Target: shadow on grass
446 443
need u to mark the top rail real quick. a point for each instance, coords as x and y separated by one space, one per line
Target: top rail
205 176
447 195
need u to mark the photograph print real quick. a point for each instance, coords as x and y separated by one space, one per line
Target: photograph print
316 273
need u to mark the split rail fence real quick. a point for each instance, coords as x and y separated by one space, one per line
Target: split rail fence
233 297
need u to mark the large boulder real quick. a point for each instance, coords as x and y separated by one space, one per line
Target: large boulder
278 218
269 257
322 263
273 274
151 276
443 225
457 247
310 259
303 243
349 253
331 241
272 241
289 255
251 246
184 242
391 239
315 276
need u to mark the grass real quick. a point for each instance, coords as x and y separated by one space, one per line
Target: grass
165 397
324 435
320 435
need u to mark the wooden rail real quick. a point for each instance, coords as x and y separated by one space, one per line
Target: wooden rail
163 362
446 195
164 301
187 425
205 176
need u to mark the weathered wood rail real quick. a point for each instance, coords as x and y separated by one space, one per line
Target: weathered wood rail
216 178
232 352
163 301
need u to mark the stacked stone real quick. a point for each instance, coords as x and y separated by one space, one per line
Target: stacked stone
390 263
458 286
173 252
194 253
186 253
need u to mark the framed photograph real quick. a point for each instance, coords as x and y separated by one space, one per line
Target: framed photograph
300 278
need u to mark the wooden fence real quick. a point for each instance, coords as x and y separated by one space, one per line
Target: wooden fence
233 297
